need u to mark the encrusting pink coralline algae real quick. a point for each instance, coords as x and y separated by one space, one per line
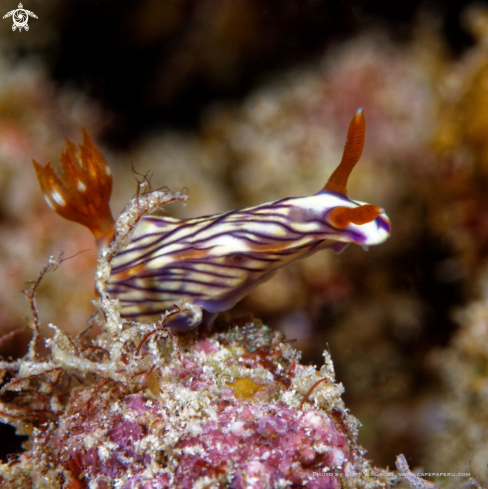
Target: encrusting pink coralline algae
242 445
140 408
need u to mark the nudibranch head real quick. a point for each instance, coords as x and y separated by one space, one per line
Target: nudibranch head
367 221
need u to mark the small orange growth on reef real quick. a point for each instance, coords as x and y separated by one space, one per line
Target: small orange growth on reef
245 388
81 191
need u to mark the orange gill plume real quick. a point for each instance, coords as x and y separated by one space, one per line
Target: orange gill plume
81 192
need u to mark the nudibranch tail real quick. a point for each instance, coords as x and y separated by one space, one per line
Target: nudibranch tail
340 217
81 192
353 150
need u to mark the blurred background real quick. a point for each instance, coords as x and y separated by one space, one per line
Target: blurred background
248 101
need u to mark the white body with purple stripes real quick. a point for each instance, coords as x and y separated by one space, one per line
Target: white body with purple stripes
215 261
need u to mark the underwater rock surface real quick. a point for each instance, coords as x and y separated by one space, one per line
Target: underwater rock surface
191 432
137 407
181 422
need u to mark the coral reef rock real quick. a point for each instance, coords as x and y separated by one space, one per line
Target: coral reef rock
179 421
138 407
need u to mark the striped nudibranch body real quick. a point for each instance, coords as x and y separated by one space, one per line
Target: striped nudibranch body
215 261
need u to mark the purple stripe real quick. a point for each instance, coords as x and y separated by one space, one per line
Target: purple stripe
383 224
168 271
149 256
167 281
178 296
183 224
196 270
238 234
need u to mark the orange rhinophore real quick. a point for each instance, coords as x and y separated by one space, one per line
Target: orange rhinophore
353 149
81 192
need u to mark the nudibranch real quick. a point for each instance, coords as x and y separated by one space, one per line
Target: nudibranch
211 261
